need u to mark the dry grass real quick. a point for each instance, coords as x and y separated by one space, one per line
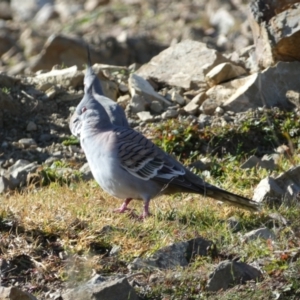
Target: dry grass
61 234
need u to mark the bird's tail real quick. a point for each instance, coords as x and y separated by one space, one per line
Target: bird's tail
233 199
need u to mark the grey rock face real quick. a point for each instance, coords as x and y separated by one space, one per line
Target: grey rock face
230 273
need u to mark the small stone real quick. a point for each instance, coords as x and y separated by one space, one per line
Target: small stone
191 108
4 144
251 162
156 107
101 287
123 100
4 184
175 97
15 293
270 162
209 106
114 250
204 120
45 137
27 142
224 72
230 273
262 233
31 126
57 154
145 116
219 111
137 103
199 165
123 87
169 114
139 86
267 189
198 99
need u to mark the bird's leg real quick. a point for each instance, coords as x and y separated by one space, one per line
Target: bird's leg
124 207
146 212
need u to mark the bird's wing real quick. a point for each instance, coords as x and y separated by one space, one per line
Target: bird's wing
141 158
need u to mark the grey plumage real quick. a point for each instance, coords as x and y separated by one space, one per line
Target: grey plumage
92 86
127 165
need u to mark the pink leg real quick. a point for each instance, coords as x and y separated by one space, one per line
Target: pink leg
124 207
146 212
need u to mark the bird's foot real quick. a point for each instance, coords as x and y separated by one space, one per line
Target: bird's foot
124 207
146 212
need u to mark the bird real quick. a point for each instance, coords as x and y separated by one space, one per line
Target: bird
129 166
93 84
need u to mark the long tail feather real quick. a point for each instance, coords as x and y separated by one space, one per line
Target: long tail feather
231 198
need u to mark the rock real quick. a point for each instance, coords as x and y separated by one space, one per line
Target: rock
28 9
8 81
27 142
275 26
177 254
69 77
169 114
145 116
137 103
270 162
156 107
8 104
114 250
230 273
175 97
5 11
18 172
293 97
284 187
138 85
45 14
103 288
204 120
267 190
183 65
14 293
262 233
191 108
124 100
68 10
267 88
224 72
31 126
4 184
209 106
86 172
90 5
61 50
221 18
199 165
199 98
251 162
219 111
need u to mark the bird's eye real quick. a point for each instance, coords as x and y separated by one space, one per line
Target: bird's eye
83 109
